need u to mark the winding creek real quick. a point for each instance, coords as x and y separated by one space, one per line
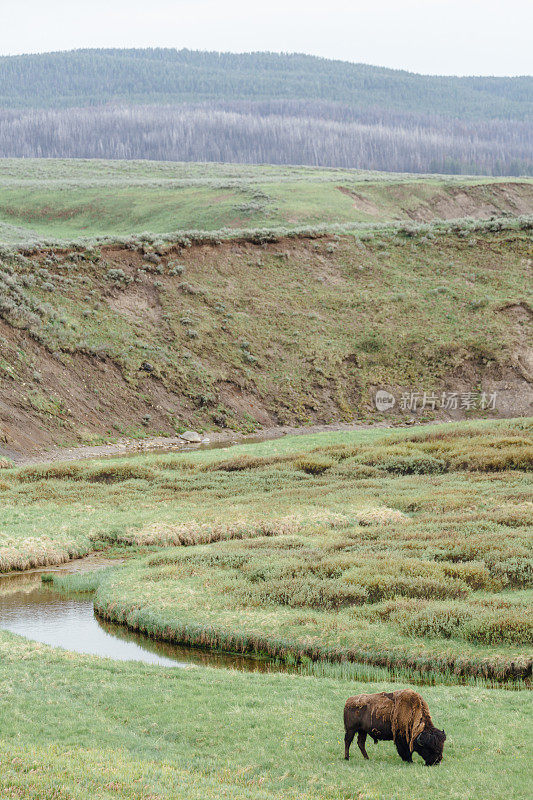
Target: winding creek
31 609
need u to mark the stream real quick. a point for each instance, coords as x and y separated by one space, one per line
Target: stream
32 609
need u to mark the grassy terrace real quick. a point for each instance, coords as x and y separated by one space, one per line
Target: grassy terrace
65 199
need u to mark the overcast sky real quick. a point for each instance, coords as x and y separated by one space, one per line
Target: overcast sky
459 37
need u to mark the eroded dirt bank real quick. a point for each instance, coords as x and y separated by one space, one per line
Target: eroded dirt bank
117 344
424 202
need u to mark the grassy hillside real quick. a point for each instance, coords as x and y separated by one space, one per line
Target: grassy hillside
68 198
116 340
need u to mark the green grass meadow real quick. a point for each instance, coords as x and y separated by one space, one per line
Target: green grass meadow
66 199
405 549
81 727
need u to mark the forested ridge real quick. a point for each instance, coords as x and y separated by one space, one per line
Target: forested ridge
92 77
257 107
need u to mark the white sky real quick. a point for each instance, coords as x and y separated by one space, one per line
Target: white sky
459 37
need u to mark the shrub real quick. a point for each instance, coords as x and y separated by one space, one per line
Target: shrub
476 305
431 619
381 516
314 465
152 258
116 473
514 571
514 516
414 465
187 288
117 275
491 460
193 533
381 586
245 462
480 623
371 343
236 464
174 464
512 625
313 592
474 573
44 472
354 469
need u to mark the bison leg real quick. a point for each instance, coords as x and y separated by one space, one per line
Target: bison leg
348 739
403 749
361 739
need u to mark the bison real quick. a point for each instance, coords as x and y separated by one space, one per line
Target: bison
402 717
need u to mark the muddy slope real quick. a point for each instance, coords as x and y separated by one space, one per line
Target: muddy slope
240 335
424 202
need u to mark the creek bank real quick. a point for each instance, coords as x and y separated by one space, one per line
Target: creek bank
417 668
67 620
217 440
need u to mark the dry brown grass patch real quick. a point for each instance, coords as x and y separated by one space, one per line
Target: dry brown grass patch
161 534
381 516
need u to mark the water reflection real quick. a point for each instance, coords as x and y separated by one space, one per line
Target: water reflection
44 616
32 610
191 447
193 655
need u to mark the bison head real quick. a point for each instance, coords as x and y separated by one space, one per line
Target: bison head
429 744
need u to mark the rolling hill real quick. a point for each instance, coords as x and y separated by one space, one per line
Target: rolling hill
95 77
67 199
261 108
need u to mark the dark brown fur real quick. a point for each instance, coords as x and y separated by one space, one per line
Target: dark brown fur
402 717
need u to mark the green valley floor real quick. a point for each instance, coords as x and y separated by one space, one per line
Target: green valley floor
409 544
76 727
